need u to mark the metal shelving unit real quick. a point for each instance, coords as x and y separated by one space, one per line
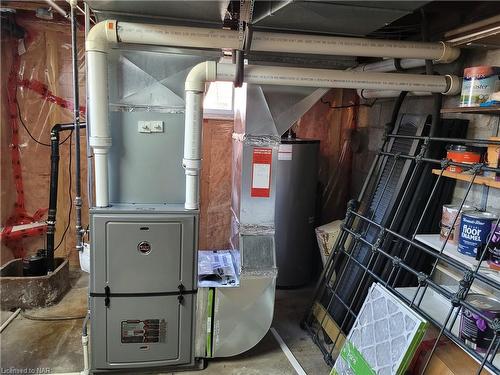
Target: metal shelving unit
479 180
472 110
390 253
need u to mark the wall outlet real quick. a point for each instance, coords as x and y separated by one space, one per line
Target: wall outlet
150 126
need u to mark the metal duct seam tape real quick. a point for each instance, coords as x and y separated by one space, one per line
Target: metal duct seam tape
116 107
256 230
252 274
258 140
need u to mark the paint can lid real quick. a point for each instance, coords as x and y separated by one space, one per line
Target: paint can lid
463 148
456 207
481 214
482 302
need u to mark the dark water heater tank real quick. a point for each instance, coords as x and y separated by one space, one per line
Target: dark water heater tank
295 210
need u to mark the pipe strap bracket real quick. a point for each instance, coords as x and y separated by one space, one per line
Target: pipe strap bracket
191 164
100 142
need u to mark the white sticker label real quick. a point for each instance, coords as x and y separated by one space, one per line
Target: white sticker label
285 152
261 176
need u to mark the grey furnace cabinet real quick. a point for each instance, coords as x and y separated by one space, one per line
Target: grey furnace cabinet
142 286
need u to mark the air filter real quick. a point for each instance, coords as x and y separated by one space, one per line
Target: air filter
384 337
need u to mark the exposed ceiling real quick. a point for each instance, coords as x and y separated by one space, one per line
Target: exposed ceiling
357 18
201 13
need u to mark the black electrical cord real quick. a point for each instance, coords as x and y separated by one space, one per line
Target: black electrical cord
29 133
348 105
69 193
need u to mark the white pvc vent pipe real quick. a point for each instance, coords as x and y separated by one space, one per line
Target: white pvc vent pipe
390 65
380 94
180 36
107 32
212 71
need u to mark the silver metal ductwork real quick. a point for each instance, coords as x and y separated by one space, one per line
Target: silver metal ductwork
262 114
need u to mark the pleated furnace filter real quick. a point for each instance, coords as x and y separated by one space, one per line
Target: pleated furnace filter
384 337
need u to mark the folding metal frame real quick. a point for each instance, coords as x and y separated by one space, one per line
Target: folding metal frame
331 311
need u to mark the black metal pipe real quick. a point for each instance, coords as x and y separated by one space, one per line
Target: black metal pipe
480 166
54 180
76 116
395 111
448 140
240 68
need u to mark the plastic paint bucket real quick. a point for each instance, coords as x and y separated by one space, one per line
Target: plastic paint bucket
474 329
475 227
478 84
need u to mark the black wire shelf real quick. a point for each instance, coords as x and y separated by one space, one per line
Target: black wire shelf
399 252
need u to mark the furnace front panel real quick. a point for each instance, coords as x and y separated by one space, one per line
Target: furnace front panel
142 286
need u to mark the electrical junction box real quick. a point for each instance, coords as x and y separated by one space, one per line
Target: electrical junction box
150 126
142 286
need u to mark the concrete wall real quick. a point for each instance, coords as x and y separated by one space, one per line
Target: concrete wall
372 120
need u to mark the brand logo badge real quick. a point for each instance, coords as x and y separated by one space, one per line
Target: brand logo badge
144 247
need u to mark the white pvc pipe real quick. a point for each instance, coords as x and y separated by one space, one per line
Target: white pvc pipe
389 65
106 32
10 319
100 137
85 346
271 75
180 36
101 177
376 94
192 147
448 85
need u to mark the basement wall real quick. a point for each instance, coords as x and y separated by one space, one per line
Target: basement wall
372 120
45 61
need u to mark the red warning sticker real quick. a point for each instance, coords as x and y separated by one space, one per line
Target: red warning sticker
261 172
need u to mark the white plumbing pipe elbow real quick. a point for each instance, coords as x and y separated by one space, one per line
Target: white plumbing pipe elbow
199 75
101 35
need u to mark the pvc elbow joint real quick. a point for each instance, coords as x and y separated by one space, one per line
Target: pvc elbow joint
199 75
454 85
450 53
100 145
101 35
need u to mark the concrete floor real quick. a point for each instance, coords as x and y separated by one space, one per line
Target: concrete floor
56 346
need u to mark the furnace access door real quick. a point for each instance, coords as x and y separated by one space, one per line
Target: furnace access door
142 286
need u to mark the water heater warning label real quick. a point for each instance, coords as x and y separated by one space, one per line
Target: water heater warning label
261 172
143 331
